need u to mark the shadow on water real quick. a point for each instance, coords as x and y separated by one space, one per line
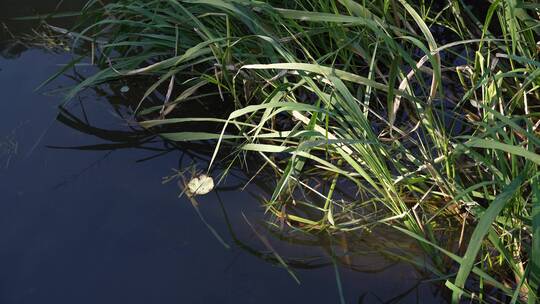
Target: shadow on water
10 29
85 218
368 254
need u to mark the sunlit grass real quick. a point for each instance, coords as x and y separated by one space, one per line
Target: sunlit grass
430 111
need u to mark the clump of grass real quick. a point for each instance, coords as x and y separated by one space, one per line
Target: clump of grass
427 111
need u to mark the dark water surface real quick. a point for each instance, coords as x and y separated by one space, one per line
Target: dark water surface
97 225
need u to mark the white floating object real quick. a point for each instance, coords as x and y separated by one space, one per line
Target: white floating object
124 89
200 185
475 103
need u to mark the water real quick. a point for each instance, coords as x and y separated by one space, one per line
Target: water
84 217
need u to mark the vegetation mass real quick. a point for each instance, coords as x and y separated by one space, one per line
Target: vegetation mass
426 112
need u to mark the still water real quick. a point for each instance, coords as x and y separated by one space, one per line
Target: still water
85 218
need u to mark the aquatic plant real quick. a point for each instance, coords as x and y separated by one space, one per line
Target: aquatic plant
427 111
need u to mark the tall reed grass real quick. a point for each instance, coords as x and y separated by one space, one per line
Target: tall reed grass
428 111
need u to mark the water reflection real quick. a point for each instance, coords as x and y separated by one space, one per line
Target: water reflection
85 218
376 253
12 45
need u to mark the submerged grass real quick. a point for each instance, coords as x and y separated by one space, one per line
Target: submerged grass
427 110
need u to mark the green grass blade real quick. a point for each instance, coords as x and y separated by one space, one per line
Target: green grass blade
482 228
534 275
